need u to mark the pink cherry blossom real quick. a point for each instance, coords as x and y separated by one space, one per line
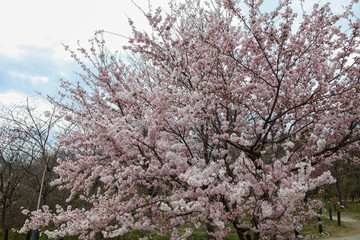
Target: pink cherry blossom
221 116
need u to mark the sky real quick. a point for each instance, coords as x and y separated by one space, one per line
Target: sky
32 57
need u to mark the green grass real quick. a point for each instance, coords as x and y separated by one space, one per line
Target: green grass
352 209
311 228
15 236
198 234
331 226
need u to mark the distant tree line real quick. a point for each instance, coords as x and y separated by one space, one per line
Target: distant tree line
28 153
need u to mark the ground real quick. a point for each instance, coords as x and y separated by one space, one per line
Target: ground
352 230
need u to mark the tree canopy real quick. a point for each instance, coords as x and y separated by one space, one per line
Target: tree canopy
225 115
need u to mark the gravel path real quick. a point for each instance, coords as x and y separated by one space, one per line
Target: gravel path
355 222
346 218
353 237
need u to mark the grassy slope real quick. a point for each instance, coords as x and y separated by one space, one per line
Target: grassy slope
352 210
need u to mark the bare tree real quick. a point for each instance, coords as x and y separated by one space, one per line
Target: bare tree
27 163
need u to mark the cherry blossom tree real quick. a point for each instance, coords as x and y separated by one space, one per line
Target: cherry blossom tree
223 117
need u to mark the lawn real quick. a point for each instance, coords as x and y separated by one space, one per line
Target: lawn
329 226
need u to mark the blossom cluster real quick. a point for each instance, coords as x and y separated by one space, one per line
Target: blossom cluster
219 118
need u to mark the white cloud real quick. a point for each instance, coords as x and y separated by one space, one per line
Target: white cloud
15 98
38 79
47 24
17 103
12 98
32 78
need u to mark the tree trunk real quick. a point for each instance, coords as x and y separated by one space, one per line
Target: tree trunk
41 187
337 185
210 229
241 232
338 191
3 216
44 195
3 221
357 188
256 236
6 233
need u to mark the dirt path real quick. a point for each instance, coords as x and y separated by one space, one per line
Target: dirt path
352 234
353 237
